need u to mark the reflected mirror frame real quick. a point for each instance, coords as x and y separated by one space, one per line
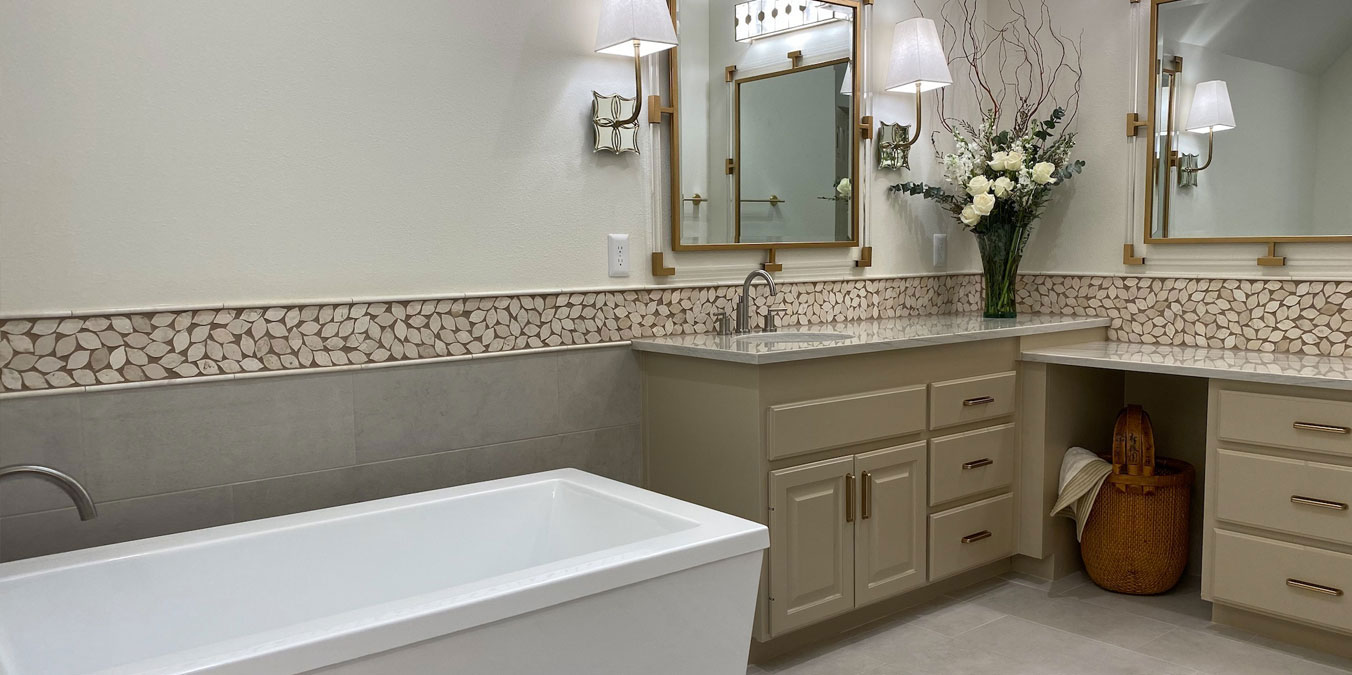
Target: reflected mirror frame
1153 162
856 158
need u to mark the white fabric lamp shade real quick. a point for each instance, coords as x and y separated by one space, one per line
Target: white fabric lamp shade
917 58
624 21
1211 109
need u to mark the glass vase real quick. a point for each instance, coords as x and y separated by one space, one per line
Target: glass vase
1001 245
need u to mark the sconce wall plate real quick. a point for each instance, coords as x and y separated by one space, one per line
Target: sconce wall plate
1187 174
607 109
893 152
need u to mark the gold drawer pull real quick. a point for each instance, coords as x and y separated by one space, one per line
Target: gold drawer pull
980 400
1307 586
865 499
849 497
984 534
977 464
1326 428
1321 503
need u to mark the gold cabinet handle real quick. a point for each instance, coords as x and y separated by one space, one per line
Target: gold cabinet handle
1326 428
984 534
980 400
1316 588
866 499
1321 503
977 463
849 498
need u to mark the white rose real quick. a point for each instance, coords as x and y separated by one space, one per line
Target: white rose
978 186
1013 161
969 216
1042 173
1002 186
983 204
843 188
998 161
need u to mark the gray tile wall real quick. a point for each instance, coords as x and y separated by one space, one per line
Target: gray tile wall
168 459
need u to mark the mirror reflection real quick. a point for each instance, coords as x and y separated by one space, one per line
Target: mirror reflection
1252 100
768 147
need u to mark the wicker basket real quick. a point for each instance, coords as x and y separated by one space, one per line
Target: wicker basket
1136 538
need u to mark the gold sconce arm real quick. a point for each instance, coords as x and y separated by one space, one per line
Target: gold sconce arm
638 93
1210 153
915 135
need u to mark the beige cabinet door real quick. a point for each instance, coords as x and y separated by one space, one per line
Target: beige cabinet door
889 550
811 543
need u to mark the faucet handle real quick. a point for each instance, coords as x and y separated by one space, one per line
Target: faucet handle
771 318
722 323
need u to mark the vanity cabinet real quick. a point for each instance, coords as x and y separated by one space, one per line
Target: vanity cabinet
877 473
847 532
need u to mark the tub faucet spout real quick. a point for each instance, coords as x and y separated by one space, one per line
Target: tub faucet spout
77 493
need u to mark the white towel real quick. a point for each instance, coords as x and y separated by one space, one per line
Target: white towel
1082 472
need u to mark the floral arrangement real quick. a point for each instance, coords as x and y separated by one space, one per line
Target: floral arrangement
1000 181
843 191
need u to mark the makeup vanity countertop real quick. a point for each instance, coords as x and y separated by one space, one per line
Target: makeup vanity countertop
1303 370
873 335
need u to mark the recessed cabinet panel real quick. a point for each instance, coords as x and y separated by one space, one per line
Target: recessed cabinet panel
1288 495
973 399
971 535
1286 422
811 544
890 532
1290 580
797 428
967 464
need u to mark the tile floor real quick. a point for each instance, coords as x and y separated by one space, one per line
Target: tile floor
1019 625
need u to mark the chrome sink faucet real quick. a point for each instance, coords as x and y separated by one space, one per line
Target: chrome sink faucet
744 306
77 493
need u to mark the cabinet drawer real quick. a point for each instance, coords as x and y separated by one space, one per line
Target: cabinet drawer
1306 498
1286 422
966 464
970 536
807 426
1297 582
971 400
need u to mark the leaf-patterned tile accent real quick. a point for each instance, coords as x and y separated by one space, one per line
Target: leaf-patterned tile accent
1308 317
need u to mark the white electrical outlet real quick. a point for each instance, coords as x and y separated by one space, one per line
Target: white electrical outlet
618 246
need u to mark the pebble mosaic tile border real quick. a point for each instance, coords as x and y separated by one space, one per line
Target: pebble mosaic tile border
1299 317
73 352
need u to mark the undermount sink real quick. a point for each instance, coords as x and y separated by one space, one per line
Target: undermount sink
794 336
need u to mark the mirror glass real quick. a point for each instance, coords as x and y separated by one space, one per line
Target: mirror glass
1251 132
766 139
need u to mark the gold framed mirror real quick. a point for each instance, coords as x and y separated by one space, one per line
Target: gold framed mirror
1247 124
763 124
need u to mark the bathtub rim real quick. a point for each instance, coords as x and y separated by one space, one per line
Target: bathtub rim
370 630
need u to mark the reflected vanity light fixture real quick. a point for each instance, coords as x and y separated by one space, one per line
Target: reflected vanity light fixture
917 65
628 27
1211 112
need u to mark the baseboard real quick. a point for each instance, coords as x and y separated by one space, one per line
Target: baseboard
1281 629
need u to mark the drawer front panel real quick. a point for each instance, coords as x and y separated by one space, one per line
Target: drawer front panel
1297 582
808 426
971 400
971 463
971 535
1305 498
1286 422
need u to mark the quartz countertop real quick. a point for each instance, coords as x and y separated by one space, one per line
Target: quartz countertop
872 335
1331 372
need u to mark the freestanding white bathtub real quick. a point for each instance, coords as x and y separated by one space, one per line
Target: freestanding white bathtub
555 573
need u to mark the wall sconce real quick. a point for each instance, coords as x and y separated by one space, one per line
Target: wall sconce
638 27
918 64
1210 112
